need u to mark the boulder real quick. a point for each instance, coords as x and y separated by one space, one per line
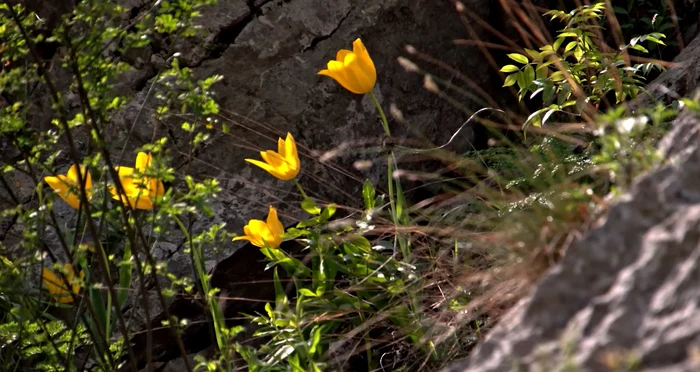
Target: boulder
626 295
269 53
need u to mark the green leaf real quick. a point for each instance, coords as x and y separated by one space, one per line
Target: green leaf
521 80
316 331
570 45
655 40
568 103
536 56
639 48
557 76
294 361
510 80
509 68
547 115
280 294
328 212
368 195
310 206
620 10
529 75
535 93
568 34
318 275
125 273
517 57
534 118
541 73
548 92
557 43
307 292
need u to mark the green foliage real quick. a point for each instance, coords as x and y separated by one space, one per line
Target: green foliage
645 16
579 77
106 240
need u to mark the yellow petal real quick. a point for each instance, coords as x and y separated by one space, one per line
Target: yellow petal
241 238
73 177
365 64
56 286
62 185
281 145
142 161
358 79
325 73
57 183
73 173
272 158
336 70
88 181
340 56
275 226
264 166
291 155
143 202
257 230
124 171
156 188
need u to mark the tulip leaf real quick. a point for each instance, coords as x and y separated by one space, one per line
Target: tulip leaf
368 195
316 331
328 212
310 222
124 277
307 292
280 295
310 206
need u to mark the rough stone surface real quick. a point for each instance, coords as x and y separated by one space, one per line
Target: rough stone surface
268 52
628 289
682 80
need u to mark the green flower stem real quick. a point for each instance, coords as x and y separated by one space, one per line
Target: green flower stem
394 189
301 190
385 123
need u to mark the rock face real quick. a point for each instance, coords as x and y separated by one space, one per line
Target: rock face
679 81
628 292
268 52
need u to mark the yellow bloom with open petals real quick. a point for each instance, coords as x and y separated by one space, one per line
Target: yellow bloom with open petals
68 187
283 164
141 191
354 70
264 234
57 286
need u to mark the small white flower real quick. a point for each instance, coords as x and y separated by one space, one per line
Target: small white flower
627 125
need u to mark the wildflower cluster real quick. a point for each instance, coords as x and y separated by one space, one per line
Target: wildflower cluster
139 192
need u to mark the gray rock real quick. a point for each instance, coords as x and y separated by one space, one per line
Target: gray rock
269 54
626 293
682 80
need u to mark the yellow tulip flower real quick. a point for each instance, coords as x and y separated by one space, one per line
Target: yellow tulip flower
354 70
67 186
141 192
283 164
57 287
264 234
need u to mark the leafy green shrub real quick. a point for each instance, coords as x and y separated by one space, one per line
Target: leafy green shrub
583 75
